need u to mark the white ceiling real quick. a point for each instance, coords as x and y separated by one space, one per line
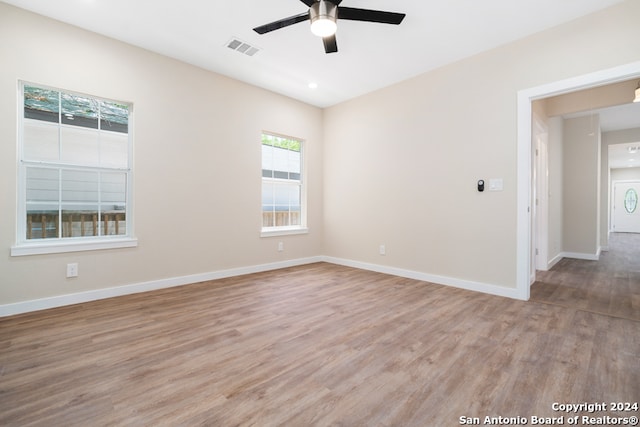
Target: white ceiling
624 155
371 56
619 117
625 116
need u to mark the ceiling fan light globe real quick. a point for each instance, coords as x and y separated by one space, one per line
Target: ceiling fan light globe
323 15
323 27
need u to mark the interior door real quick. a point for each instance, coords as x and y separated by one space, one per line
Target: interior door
626 207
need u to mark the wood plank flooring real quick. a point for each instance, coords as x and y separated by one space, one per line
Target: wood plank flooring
609 286
316 345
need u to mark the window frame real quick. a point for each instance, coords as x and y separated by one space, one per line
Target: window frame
24 246
302 228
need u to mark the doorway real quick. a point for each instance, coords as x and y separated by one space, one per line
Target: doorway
527 229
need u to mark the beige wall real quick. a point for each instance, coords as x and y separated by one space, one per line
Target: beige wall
395 167
591 99
581 185
401 164
197 179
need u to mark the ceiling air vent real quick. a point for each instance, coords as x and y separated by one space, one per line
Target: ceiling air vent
242 47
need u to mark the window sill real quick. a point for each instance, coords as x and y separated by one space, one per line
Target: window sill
283 231
58 247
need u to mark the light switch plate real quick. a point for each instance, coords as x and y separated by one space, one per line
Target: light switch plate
495 184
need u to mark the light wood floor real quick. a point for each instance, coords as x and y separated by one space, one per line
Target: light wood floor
317 345
609 286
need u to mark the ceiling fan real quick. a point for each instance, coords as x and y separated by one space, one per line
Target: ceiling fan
323 15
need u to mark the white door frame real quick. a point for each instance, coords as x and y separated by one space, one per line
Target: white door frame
524 227
540 197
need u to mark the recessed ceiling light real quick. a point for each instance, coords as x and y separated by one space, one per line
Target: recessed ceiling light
313 85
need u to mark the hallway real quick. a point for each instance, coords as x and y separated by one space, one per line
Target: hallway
610 286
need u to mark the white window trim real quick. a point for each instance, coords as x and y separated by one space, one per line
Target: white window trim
24 247
283 231
59 246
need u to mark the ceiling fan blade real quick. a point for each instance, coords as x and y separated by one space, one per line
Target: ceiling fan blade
276 25
369 15
308 2
330 44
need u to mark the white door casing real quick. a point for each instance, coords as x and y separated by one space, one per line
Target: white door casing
541 202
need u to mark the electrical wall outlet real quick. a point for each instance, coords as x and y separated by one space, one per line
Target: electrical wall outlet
72 270
280 246
383 250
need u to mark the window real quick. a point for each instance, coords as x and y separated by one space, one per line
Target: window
74 171
630 200
282 185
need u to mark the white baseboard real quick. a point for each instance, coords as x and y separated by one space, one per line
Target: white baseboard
576 255
440 280
80 297
554 261
585 256
87 296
